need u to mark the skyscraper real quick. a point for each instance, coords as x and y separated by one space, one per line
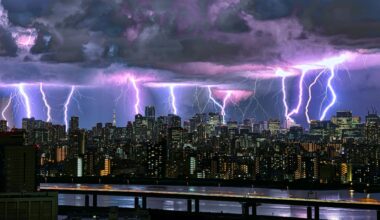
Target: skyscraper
74 123
114 118
150 112
17 164
3 126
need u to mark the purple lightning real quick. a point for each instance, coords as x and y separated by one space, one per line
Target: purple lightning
223 112
329 85
310 95
48 108
137 94
213 99
329 63
6 107
26 100
300 94
284 75
66 106
173 99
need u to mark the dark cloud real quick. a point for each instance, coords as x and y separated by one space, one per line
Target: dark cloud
7 45
165 33
231 21
268 9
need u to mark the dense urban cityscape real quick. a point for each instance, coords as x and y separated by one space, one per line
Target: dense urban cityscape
344 149
192 109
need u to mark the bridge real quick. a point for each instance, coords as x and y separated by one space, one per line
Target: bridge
248 201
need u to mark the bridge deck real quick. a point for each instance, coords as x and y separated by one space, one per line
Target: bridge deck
216 196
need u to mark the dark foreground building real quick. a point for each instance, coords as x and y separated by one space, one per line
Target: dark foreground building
17 164
19 198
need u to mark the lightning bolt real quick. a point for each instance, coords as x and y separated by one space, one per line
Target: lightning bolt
26 100
329 63
48 113
6 107
310 95
66 107
284 75
173 99
223 112
137 94
212 98
330 87
300 95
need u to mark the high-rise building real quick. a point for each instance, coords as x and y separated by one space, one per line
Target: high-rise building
107 167
61 153
114 118
79 168
274 126
3 126
74 123
82 143
173 121
156 159
150 112
28 127
17 164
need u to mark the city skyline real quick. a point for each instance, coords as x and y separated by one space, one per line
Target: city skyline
150 112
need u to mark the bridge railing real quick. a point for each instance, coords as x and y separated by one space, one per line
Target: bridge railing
248 201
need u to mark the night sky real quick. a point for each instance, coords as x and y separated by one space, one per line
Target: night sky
241 52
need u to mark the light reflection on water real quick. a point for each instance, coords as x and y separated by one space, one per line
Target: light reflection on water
228 207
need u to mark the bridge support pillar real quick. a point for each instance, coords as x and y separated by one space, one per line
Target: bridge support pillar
245 208
316 212
136 202
86 200
378 214
309 216
94 200
254 210
144 202
189 205
196 203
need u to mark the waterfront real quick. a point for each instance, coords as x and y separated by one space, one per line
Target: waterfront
226 207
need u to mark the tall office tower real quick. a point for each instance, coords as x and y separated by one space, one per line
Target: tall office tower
61 153
3 126
372 125
28 125
99 129
17 164
74 124
107 167
79 167
157 158
140 127
82 143
114 118
214 119
150 112
130 130
150 115
274 126
173 121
